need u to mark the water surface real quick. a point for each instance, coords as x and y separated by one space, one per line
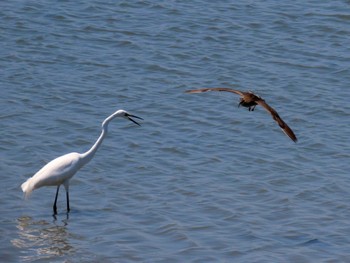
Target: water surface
200 180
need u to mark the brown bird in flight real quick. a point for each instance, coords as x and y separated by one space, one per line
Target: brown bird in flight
250 100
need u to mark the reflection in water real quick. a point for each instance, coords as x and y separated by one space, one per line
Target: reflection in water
41 239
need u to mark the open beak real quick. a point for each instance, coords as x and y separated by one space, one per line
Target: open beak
129 116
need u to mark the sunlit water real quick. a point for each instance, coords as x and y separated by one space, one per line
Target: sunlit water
201 180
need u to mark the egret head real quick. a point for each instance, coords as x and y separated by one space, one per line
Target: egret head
127 115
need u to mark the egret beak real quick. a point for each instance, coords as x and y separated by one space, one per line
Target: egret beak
133 116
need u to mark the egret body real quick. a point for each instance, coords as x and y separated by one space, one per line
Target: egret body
60 170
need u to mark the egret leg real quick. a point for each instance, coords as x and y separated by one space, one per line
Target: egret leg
67 195
66 186
54 204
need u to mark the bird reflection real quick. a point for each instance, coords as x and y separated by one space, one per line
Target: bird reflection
45 239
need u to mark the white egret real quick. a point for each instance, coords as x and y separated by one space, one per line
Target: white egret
60 170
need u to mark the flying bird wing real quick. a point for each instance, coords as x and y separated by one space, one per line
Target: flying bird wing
285 128
215 89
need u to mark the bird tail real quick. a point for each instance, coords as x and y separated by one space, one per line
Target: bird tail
27 188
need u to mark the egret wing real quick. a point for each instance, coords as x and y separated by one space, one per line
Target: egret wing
57 171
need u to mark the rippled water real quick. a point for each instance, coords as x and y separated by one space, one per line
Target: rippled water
200 180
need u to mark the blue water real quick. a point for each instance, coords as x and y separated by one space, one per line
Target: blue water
201 180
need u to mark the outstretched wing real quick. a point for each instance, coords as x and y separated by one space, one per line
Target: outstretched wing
215 89
285 128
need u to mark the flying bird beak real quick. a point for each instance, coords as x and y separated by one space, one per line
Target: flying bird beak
129 116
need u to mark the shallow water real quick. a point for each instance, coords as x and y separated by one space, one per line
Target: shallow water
200 180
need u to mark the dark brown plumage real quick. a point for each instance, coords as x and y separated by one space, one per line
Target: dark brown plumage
250 100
